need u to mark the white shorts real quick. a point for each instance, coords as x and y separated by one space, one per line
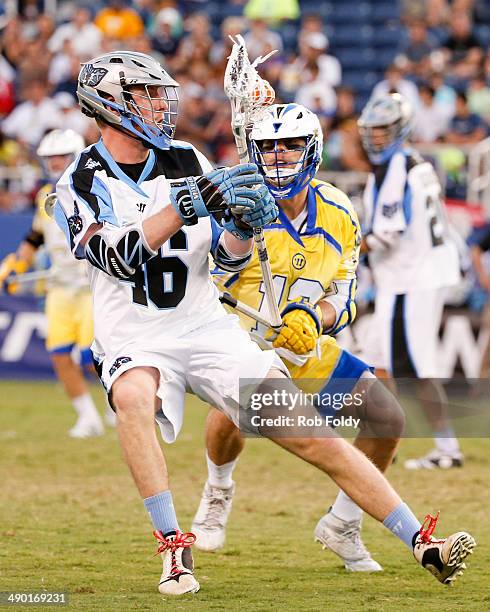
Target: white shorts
404 335
209 362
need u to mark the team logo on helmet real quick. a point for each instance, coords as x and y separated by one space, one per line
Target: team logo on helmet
92 76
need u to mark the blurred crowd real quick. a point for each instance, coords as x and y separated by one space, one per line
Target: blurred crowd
441 66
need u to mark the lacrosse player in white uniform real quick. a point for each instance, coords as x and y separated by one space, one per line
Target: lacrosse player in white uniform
140 208
413 260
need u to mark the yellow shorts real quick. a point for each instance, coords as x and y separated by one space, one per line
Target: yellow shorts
336 371
70 322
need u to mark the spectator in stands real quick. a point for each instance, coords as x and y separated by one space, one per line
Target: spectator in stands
444 95
462 48
167 31
70 117
343 148
414 53
119 21
465 127
479 97
83 35
230 26
260 40
394 82
196 45
70 79
317 95
7 97
313 49
430 121
32 118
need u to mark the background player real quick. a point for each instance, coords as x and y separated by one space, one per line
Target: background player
68 297
139 207
412 260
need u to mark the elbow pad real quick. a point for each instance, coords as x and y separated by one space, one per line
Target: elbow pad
342 299
226 260
119 251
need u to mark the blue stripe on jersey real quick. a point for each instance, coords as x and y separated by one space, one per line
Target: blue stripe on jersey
100 191
319 231
62 222
407 204
216 232
117 170
342 208
150 162
311 215
232 280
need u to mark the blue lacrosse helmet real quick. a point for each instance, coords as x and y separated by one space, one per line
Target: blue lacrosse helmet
282 122
384 125
106 91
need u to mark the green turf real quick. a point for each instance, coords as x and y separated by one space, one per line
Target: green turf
71 520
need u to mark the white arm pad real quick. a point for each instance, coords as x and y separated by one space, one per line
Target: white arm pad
341 297
226 260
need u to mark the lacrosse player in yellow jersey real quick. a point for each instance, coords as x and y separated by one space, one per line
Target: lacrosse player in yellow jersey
313 248
68 297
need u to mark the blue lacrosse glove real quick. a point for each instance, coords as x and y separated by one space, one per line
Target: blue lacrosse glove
265 210
215 192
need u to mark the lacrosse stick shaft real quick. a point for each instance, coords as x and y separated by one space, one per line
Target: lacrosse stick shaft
28 277
229 300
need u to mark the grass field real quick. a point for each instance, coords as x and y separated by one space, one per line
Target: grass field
71 520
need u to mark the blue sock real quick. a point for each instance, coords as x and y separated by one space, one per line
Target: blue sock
161 509
404 524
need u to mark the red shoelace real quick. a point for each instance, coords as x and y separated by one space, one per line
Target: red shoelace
426 532
180 540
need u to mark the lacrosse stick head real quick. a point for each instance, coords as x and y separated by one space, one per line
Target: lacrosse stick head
248 92
49 204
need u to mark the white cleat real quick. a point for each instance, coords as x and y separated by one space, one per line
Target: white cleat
435 460
178 565
209 524
86 428
444 559
344 539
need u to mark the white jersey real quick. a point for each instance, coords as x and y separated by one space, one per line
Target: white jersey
172 294
403 200
64 271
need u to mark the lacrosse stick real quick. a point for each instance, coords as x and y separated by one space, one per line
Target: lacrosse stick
28 277
249 96
229 300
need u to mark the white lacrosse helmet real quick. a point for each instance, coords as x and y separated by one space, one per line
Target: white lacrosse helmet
104 92
391 112
281 122
61 142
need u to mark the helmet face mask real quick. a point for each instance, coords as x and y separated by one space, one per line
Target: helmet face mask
286 144
131 92
384 125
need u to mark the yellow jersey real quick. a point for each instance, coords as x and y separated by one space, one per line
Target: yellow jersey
305 263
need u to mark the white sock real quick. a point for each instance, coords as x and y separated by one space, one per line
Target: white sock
85 407
344 508
446 442
220 475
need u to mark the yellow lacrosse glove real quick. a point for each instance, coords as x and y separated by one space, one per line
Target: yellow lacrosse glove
11 265
302 326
